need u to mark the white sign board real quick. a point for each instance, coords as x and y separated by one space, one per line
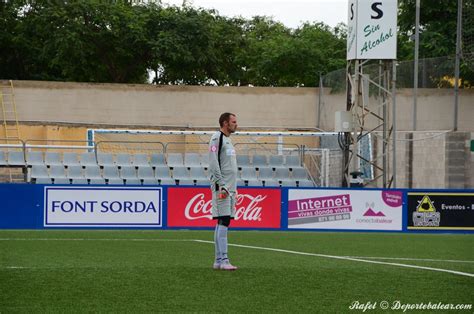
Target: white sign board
345 209
372 29
102 207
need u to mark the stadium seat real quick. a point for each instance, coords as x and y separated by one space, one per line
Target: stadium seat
75 172
115 181
255 183
282 174
150 182
3 159
123 159
93 172
192 160
97 181
271 183
132 181
105 159
306 183
157 160
299 174
276 161
34 158
203 182
140 160
248 174
288 183
243 161
52 158
185 182
110 172
259 161
16 159
205 160
128 172
175 160
39 171
44 181
167 181
61 181
180 172
82 181
146 172
162 172
265 173
70 159
88 159
293 161
198 173
57 171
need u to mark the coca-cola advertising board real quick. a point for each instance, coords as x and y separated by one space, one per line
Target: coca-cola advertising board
255 208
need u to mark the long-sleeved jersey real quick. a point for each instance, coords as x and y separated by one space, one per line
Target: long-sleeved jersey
223 171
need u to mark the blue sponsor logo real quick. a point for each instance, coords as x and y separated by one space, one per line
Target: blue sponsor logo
103 207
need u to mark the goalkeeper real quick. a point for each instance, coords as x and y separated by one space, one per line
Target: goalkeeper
223 174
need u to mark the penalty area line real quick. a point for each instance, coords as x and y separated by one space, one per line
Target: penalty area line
347 258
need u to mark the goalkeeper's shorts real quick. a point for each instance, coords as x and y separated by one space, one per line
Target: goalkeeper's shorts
223 206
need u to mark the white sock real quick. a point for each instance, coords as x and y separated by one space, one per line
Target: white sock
216 241
222 240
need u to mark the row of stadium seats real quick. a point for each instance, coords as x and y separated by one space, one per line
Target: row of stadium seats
170 181
17 158
170 169
180 173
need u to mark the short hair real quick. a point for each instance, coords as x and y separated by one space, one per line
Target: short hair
225 117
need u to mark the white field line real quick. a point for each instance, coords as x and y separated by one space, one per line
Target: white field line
348 258
412 259
92 239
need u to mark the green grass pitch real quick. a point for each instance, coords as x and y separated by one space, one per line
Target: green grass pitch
75 271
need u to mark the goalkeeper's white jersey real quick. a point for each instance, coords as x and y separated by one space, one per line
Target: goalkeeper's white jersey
222 162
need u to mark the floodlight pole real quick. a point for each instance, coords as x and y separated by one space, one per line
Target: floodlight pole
394 124
415 70
457 65
320 100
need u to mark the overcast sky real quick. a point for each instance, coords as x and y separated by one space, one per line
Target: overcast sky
292 13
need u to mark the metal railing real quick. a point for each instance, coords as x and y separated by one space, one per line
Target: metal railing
129 147
56 145
7 172
183 147
267 148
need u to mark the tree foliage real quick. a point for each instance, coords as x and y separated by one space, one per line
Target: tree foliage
115 41
438 24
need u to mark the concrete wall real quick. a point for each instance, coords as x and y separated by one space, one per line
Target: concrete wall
163 106
435 110
64 111
148 106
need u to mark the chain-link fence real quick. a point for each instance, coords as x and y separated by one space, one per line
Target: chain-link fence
432 73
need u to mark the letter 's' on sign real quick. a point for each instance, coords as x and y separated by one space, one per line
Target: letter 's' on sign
372 29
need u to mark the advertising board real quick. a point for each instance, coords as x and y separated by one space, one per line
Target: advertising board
102 206
441 211
345 209
255 208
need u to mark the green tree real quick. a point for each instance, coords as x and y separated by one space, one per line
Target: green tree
115 41
78 41
278 56
438 24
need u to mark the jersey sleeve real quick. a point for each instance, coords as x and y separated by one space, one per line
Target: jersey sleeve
214 168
